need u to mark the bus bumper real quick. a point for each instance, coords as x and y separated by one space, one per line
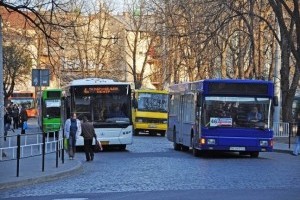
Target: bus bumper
147 126
236 144
118 136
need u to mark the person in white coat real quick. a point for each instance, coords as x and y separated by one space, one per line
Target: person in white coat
297 142
72 132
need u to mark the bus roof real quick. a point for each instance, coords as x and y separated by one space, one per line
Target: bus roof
201 84
52 89
152 91
95 81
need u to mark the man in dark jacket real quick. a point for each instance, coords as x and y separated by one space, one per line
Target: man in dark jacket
23 119
7 123
15 115
88 133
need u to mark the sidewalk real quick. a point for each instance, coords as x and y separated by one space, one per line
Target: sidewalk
30 168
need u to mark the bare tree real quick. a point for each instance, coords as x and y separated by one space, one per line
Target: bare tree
139 40
288 18
91 47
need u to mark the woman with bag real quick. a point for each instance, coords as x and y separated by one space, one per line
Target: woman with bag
88 133
72 132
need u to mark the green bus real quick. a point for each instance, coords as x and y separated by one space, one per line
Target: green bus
49 110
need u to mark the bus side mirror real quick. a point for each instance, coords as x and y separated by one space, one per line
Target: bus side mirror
275 100
134 103
199 100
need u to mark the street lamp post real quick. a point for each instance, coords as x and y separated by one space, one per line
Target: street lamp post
1 89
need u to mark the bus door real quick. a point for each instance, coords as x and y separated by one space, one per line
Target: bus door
181 118
199 107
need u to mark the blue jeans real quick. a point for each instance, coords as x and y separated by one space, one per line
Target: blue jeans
72 145
297 146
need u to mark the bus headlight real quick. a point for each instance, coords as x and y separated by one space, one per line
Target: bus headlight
263 143
202 141
211 141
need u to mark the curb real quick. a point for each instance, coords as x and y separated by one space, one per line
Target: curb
44 178
282 151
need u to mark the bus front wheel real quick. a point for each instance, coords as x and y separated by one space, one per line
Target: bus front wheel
254 154
136 132
122 147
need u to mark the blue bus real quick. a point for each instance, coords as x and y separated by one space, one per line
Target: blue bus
214 115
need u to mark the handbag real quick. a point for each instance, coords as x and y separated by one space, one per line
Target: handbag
25 126
98 145
66 144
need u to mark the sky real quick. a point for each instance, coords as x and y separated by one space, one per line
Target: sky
117 5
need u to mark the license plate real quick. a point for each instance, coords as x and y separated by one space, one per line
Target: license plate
104 142
152 126
237 148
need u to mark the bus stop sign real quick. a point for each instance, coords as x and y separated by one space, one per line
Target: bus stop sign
40 77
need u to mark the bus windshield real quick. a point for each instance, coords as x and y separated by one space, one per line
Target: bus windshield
103 108
52 108
237 112
152 102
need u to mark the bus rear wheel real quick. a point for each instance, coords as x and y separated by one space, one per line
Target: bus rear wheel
176 146
196 152
254 154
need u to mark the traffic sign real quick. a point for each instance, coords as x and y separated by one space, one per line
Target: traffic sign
40 77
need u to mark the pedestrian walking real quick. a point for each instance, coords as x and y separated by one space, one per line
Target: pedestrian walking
15 116
23 120
88 133
72 131
7 123
297 144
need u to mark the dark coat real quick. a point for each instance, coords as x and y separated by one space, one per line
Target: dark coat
297 120
298 130
23 115
7 118
88 131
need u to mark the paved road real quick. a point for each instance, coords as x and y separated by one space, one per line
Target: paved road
151 169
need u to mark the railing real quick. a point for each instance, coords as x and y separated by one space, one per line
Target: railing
21 146
284 129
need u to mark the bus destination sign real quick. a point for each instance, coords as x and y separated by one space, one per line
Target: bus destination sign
101 90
